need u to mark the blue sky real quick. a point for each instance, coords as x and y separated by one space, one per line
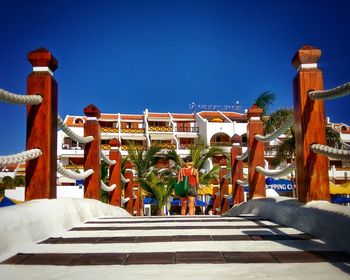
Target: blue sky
125 56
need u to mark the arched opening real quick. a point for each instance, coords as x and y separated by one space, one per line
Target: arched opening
220 139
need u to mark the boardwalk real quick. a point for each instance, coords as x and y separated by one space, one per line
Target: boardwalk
202 247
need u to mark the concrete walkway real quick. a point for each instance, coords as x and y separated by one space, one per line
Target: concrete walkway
200 247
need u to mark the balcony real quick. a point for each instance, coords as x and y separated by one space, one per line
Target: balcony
105 147
187 129
221 144
135 147
133 130
160 129
110 129
74 167
166 146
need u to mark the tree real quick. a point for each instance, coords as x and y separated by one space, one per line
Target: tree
200 154
7 182
19 181
143 161
159 187
265 100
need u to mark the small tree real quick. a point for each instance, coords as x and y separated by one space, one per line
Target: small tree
159 187
7 182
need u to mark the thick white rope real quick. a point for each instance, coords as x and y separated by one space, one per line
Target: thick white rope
125 199
243 156
270 137
277 173
73 175
134 196
125 180
336 92
20 157
106 159
330 152
345 146
242 182
13 98
72 134
106 188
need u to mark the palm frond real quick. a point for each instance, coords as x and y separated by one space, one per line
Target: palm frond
265 100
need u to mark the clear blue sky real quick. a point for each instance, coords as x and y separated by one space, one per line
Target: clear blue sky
125 56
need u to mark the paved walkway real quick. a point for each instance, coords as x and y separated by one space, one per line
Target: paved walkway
200 247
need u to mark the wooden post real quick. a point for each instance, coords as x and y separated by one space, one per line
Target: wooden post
224 191
137 192
216 201
236 169
115 173
42 127
310 127
256 180
92 157
128 188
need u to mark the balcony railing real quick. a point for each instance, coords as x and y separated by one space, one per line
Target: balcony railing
109 129
105 147
133 130
135 147
74 167
166 146
160 128
221 144
187 129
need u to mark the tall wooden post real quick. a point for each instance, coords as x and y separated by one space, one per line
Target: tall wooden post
256 180
115 173
92 157
236 169
42 126
310 127
224 191
137 201
128 188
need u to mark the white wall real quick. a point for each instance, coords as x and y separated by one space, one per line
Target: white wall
62 192
17 194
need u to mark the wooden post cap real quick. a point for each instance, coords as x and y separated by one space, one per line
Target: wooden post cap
254 111
306 55
236 139
92 111
114 143
42 58
129 165
223 162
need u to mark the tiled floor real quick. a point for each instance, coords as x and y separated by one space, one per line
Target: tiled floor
150 231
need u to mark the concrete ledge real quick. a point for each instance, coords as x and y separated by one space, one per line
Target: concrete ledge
322 219
37 220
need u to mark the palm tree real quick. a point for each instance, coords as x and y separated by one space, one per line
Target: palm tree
159 187
143 161
265 100
19 181
200 154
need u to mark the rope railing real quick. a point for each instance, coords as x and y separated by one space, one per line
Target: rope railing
73 175
106 159
13 98
243 156
330 152
345 146
242 182
279 172
270 137
20 157
334 93
125 180
72 134
106 188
